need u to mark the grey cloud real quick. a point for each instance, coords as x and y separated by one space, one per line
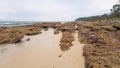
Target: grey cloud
52 10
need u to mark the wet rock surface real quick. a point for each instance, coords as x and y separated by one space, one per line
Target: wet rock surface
15 34
102 49
66 41
28 39
68 26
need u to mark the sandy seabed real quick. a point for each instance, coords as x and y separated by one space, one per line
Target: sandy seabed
42 51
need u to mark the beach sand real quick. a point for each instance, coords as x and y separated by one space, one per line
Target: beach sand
41 51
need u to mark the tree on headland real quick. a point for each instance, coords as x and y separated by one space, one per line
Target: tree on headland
115 11
115 14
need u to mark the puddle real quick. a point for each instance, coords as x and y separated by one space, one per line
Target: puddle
41 51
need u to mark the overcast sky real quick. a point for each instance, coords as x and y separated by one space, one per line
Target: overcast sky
52 10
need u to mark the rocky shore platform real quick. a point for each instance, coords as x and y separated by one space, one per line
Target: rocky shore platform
101 39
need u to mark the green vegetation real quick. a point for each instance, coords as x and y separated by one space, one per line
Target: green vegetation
97 18
115 15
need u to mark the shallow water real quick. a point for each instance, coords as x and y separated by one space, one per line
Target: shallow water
42 51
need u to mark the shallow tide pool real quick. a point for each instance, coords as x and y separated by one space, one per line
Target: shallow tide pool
42 51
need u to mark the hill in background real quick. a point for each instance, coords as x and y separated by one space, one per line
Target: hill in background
114 15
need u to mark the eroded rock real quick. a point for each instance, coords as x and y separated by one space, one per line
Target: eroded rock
102 44
66 41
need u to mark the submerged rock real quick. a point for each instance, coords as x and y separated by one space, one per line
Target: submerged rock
16 40
28 39
60 56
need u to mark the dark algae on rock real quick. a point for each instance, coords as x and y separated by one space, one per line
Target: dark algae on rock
102 39
15 34
67 30
66 41
102 49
